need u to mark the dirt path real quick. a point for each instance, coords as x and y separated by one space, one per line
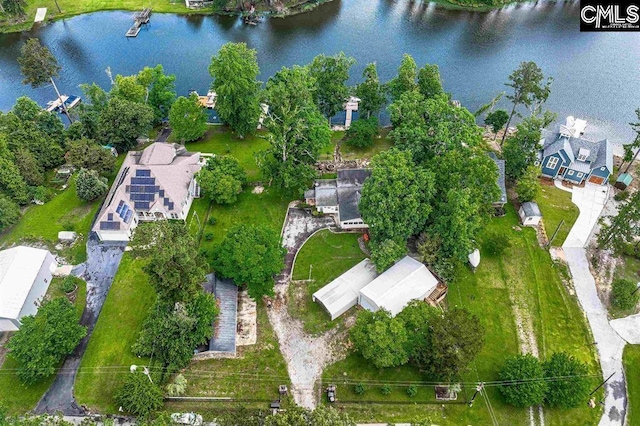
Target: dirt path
306 356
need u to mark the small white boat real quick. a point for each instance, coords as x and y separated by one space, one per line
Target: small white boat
69 102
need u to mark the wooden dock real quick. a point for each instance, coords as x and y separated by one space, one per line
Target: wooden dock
139 19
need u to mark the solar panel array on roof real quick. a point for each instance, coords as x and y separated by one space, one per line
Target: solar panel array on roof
109 226
141 205
110 216
128 216
143 181
143 173
142 197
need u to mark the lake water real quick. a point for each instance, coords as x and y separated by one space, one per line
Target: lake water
595 74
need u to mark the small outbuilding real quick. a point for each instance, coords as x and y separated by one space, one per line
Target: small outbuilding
530 214
474 258
405 281
342 294
67 236
623 181
25 275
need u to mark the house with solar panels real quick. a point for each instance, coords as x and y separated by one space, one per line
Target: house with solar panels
154 184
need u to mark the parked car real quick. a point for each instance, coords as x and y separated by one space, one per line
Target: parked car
187 419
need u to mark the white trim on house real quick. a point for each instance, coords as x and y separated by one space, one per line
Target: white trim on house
551 160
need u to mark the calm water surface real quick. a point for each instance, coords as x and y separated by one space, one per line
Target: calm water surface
596 74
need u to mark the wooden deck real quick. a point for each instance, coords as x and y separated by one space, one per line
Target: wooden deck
140 19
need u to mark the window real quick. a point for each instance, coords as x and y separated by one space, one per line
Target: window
580 175
602 168
570 173
552 162
583 154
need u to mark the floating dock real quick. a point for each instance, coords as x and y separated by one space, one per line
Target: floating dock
139 19
69 102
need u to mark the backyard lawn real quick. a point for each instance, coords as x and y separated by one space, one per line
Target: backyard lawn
108 355
328 255
555 205
351 153
631 361
17 397
525 275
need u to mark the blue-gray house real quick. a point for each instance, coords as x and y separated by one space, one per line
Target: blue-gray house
568 156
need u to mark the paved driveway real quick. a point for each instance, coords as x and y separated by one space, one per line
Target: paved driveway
628 328
591 200
102 264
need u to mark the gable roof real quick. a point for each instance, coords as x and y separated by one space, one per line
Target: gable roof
530 208
344 192
155 179
405 281
19 267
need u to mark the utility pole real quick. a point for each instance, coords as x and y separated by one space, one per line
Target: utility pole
478 389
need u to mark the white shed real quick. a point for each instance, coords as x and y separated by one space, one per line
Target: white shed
405 281
530 214
341 294
25 275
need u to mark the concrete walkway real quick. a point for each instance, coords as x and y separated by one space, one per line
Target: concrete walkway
591 200
628 328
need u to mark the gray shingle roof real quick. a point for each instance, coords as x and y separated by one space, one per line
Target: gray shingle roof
531 208
600 153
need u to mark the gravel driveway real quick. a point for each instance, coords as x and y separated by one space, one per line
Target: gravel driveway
306 355
103 259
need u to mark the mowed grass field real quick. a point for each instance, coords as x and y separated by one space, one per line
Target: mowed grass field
524 275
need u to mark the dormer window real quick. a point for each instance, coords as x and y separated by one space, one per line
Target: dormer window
583 154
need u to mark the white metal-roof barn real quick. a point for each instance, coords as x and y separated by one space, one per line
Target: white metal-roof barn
25 275
405 281
342 294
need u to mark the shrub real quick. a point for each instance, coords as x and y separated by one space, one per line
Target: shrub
9 213
69 284
621 196
208 236
528 185
385 389
42 194
573 389
412 391
524 383
139 395
360 389
622 294
496 243
212 220
89 185
362 132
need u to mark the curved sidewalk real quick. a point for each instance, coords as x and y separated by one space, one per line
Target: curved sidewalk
591 200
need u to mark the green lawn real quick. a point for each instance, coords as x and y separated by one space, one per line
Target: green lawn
108 355
631 361
253 377
64 212
380 144
220 140
329 255
528 272
555 205
628 269
19 398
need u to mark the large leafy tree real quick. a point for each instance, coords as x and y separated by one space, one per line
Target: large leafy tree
523 381
139 395
521 149
396 198
568 381
405 80
222 178
620 230
386 253
39 67
12 183
496 119
455 338
45 339
29 167
251 255
330 74
530 89
431 127
371 93
95 100
380 338
89 185
188 119
528 186
235 72
429 81
122 122
171 332
129 89
297 130
417 317
9 213
87 154
13 7
175 268
160 90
